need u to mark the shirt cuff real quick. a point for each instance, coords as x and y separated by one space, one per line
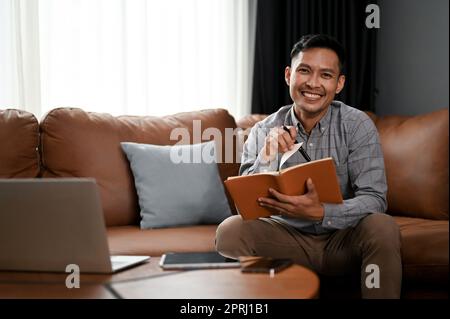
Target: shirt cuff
332 216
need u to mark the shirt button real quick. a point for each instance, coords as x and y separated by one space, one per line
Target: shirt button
329 222
322 129
311 144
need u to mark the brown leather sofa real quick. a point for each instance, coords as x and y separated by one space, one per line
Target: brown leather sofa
69 142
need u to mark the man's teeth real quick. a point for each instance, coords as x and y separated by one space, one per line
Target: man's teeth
311 95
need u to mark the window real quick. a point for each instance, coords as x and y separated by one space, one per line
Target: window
139 57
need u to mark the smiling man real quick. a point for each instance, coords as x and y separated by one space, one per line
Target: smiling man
332 239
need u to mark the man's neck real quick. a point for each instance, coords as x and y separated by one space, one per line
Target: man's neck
309 120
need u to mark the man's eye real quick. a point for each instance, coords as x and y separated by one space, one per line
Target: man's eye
303 70
327 75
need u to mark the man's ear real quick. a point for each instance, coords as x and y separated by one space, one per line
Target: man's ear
341 82
287 75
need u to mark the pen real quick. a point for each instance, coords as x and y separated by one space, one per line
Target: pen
301 150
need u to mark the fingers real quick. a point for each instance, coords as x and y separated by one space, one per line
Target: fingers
306 205
271 147
295 200
283 208
281 197
310 186
293 132
284 140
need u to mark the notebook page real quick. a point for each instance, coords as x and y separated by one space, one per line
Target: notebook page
288 154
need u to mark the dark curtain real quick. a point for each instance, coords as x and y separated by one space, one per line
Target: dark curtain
281 23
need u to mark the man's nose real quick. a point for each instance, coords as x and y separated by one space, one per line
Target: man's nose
313 81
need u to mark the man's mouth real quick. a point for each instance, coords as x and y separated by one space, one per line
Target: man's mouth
311 95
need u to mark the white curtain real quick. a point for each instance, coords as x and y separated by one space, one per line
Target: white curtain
137 57
19 56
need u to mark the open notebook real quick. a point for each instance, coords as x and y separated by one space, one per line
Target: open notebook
245 190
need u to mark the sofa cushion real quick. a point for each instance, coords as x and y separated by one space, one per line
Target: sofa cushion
19 139
416 158
174 187
131 240
85 144
424 249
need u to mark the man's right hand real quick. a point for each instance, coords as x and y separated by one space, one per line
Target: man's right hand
278 141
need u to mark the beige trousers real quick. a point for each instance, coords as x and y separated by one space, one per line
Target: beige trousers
372 248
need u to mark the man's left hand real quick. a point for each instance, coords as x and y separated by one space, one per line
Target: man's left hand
305 206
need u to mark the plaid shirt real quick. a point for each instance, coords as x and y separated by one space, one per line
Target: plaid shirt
348 136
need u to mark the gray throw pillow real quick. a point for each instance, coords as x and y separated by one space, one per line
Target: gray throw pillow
176 185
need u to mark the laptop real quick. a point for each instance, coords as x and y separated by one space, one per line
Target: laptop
47 224
196 260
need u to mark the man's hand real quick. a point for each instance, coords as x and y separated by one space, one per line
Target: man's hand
305 206
278 141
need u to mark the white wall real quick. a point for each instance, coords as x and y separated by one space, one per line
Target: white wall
412 57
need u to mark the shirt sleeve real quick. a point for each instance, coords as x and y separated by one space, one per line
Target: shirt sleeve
367 178
251 160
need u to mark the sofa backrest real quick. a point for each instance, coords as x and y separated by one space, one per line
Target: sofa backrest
75 143
19 139
415 152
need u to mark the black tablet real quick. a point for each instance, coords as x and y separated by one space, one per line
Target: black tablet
206 260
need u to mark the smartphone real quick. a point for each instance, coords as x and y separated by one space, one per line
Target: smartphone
266 265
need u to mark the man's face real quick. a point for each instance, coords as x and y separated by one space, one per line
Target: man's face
314 79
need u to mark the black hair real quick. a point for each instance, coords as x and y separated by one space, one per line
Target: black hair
320 41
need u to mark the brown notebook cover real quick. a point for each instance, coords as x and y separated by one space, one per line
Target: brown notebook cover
245 190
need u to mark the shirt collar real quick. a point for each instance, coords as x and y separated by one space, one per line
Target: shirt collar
322 125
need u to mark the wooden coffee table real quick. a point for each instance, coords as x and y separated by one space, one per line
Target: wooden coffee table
150 281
